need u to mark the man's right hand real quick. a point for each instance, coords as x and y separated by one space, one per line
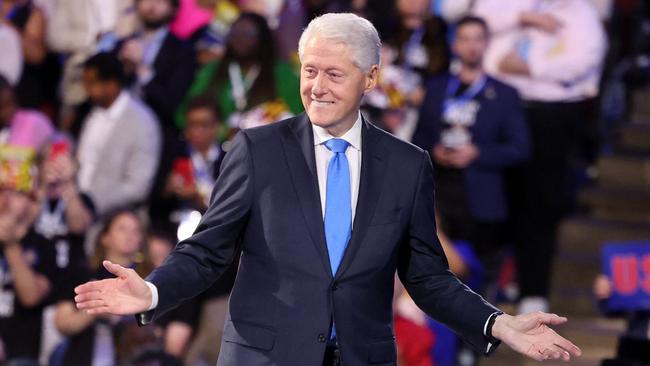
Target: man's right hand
126 294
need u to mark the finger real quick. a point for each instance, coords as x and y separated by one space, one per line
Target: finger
553 319
116 269
101 285
554 352
87 296
99 311
545 318
92 304
90 286
567 345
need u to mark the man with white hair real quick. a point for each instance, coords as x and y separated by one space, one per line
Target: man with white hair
324 208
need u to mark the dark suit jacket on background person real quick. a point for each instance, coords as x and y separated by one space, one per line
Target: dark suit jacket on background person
500 133
267 205
173 73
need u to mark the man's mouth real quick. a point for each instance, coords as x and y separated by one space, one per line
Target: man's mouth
322 102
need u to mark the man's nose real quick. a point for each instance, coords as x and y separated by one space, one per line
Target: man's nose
320 85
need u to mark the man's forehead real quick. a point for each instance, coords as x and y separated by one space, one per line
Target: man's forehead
325 50
321 45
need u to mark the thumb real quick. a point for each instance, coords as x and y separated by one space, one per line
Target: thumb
550 319
115 269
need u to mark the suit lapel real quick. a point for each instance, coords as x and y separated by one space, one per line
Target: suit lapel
373 165
298 143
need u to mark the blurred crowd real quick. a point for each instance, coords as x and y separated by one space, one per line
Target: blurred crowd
116 114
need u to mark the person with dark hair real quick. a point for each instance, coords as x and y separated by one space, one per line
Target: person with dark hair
120 140
37 86
419 38
97 340
473 127
28 272
415 49
76 29
161 67
160 64
250 84
197 160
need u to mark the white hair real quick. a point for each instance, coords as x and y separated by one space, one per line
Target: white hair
357 33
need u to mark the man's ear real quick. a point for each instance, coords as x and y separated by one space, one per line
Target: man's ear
371 78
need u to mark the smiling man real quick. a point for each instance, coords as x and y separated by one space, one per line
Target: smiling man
324 209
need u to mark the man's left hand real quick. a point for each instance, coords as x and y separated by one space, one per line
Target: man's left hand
530 334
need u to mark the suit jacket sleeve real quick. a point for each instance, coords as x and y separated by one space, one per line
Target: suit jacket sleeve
424 271
197 262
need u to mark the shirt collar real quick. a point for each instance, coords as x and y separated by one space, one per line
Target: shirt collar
212 155
118 106
353 136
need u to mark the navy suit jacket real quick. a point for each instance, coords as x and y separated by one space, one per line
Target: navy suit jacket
500 132
266 204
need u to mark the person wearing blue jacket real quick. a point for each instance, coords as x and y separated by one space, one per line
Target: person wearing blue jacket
474 128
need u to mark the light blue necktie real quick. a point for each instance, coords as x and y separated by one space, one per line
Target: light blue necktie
338 208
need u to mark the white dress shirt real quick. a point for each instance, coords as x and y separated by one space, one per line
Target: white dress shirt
323 156
95 134
11 62
565 65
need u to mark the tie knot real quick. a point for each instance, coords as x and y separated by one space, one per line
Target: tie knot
337 145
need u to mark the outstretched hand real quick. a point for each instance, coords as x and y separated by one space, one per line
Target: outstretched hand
126 294
530 334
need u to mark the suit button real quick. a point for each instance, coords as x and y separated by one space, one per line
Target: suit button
321 338
335 286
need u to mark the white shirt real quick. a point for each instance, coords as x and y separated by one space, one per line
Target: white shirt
564 66
102 16
323 156
95 134
11 62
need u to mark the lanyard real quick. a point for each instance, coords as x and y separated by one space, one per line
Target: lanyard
241 85
412 46
51 223
470 93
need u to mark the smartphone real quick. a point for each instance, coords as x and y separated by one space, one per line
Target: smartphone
59 148
183 167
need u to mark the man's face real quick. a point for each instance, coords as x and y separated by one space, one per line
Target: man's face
331 85
155 13
412 12
470 44
201 128
243 39
100 92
